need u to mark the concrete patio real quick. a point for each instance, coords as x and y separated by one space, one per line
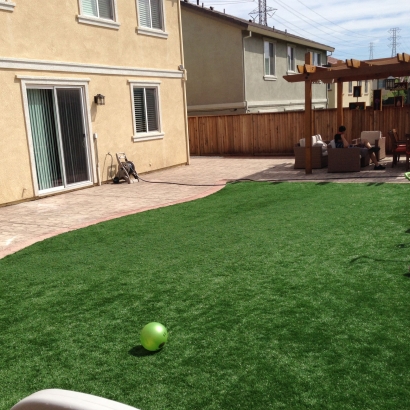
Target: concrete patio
29 222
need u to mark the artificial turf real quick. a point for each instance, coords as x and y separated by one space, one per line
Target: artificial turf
275 296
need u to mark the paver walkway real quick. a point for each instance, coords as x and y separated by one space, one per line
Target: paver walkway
29 222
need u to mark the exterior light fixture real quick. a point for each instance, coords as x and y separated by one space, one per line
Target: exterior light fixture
99 99
390 83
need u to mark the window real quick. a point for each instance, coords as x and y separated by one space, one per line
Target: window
329 86
366 87
98 8
99 13
350 91
316 59
269 58
151 17
147 123
291 58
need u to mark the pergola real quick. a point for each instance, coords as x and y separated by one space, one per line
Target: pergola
342 71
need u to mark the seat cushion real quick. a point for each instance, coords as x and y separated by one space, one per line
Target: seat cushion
371 136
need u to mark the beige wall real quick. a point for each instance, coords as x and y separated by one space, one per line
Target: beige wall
50 31
215 73
54 36
348 97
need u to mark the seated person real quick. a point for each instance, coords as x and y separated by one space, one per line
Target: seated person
365 147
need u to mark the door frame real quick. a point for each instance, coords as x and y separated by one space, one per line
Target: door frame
52 82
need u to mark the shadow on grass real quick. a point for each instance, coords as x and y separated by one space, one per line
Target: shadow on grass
140 351
407 275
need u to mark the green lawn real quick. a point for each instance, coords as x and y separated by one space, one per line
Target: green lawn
275 296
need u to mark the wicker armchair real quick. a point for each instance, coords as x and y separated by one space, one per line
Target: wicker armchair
346 159
319 160
375 139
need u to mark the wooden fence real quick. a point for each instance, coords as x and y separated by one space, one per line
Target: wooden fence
277 133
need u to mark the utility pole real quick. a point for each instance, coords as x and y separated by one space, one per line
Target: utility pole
371 52
262 13
393 40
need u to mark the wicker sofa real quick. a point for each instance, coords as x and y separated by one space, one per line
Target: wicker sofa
375 139
346 159
319 157
319 153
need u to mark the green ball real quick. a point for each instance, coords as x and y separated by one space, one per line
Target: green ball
154 336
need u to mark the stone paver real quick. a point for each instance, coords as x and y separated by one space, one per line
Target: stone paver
26 223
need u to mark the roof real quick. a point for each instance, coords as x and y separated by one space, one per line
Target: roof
352 70
255 27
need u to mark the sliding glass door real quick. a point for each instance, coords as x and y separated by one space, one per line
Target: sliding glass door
59 140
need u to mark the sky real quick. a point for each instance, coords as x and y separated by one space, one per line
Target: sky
359 29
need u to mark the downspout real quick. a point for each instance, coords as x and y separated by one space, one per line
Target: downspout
244 69
184 80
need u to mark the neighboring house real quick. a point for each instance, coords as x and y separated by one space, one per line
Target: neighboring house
55 60
237 66
348 90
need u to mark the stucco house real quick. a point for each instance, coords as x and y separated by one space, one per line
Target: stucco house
59 64
348 90
236 66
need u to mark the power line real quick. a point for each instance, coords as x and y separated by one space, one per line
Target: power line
358 34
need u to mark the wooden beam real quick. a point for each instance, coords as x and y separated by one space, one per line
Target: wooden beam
339 113
403 58
308 127
370 72
308 118
352 63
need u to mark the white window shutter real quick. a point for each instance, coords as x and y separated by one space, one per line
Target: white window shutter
139 110
90 8
144 13
156 13
105 9
151 109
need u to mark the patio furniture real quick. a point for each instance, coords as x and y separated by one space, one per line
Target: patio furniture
319 157
346 159
375 139
407 151
398 146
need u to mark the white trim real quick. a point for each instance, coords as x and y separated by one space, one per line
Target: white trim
146 31
255 104
288 71
271 110
270 77
212 107
294 108
7 5
148 136
27 82
152 135
43 65
51 80
95 21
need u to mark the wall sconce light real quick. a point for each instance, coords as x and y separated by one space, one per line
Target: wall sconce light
99 99
390 81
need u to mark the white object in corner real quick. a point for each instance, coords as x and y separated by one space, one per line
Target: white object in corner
57 399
